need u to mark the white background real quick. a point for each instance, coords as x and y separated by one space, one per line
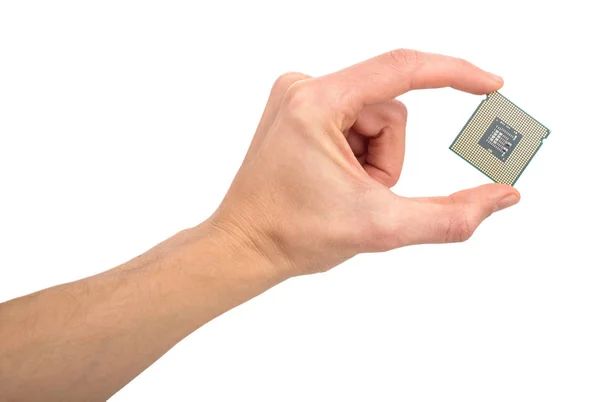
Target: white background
122 122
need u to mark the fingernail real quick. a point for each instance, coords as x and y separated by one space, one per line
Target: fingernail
506 202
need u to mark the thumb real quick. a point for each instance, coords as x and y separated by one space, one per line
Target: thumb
453 218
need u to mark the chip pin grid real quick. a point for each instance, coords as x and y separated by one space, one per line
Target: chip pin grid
500 139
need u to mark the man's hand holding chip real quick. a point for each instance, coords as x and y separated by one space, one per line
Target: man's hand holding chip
314 188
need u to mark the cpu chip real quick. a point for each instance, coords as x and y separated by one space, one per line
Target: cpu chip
500 139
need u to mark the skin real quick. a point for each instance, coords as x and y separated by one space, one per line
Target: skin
312 192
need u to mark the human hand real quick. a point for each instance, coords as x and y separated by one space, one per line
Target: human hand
313 189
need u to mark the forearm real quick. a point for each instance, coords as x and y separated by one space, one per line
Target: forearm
87 339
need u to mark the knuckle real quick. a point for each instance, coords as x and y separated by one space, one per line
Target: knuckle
388 172
388 180
401 108
300 99
394 176
395 112
284 81
404 59
300 92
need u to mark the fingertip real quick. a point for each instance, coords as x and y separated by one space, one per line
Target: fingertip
497 79
488 83
509 190
490 191
507 196
517 193
491 197
507 201
496 82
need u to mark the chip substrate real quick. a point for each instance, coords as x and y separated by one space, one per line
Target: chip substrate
500 139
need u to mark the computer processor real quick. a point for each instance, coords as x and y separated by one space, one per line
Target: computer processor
500 139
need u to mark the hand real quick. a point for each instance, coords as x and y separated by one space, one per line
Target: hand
313 189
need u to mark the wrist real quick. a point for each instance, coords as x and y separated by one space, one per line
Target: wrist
212 269
248 245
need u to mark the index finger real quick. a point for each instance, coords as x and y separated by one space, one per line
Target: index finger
391 74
